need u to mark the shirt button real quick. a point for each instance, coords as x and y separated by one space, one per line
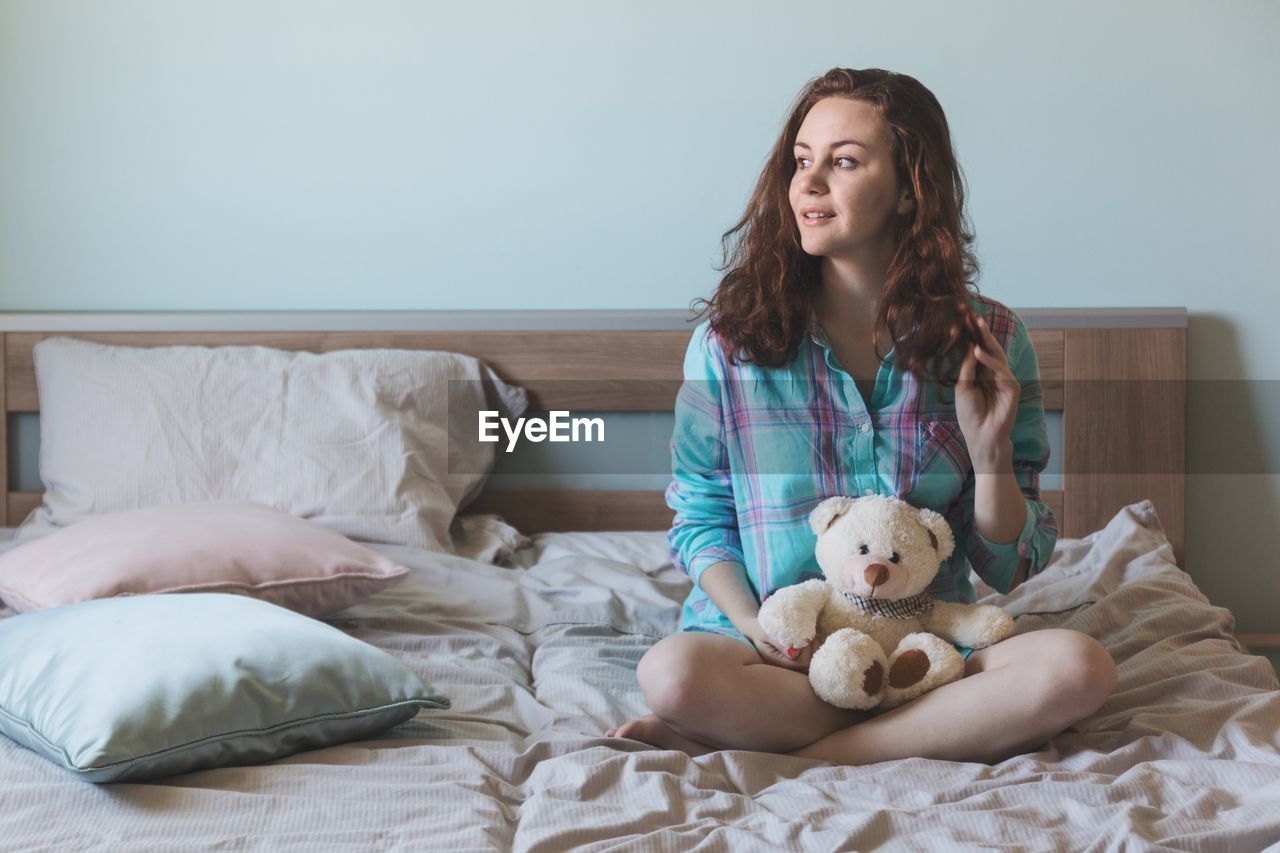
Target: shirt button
868 491
865 427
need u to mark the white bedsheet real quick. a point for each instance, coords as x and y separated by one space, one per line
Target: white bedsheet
539 658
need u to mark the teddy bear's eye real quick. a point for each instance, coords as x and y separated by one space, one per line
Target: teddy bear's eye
863 549
894 558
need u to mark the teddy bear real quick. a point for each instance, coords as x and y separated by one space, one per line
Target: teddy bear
883 638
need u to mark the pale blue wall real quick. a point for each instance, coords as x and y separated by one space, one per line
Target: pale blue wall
378 154
157 154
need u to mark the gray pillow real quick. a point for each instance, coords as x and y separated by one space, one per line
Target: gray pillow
380 445
148 686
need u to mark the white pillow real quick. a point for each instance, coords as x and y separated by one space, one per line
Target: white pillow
378 445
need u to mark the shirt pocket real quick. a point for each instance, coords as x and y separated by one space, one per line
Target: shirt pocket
942 464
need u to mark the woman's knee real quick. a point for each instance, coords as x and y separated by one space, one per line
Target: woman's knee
1080 673
678 674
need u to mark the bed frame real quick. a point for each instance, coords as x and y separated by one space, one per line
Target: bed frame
1122 441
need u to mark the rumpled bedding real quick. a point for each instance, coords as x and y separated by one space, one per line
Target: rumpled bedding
539 655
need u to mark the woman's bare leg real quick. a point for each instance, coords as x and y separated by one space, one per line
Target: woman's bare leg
712 692
1015 696
707 693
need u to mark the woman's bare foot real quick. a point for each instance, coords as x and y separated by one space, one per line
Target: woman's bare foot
653 731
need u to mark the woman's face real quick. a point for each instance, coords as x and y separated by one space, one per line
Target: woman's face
845 171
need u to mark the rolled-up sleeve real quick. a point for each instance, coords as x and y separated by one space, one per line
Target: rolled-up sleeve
705 529
997 562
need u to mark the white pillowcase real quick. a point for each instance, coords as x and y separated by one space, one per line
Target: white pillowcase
378 445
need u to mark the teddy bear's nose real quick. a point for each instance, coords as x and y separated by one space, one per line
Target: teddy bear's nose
875 574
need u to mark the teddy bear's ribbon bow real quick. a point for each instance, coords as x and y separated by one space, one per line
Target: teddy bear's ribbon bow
902 608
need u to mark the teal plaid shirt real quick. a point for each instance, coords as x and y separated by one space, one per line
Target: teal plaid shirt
755 449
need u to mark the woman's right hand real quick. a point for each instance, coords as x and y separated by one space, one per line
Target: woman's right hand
774 653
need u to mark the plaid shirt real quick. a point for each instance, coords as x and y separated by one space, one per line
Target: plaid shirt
755 449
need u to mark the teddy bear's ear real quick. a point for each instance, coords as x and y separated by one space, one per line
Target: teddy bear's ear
939 533
825 513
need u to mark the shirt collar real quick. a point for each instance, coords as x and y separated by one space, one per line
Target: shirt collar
819 337
815 330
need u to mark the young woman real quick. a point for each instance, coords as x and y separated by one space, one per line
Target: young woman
848 353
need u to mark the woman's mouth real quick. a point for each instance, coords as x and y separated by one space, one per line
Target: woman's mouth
815 219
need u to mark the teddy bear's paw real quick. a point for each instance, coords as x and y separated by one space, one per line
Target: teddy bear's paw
921 662
999 626
849 670
783 626
908 668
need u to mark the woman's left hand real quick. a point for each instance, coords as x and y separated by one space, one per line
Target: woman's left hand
987 395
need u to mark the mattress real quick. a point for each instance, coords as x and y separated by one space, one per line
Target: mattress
539 655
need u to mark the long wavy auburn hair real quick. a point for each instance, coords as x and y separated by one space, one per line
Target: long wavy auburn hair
760 310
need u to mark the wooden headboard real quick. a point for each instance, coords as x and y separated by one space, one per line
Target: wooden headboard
1117 375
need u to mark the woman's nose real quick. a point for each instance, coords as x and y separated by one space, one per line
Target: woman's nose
812 183
812 179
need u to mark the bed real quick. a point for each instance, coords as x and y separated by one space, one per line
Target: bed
537 648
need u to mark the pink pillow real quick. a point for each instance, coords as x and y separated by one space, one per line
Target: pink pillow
244 548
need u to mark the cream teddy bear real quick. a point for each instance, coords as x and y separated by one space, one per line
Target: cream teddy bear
873 615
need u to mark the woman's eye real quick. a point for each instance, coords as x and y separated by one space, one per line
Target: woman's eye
895 558
800 161
863 549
